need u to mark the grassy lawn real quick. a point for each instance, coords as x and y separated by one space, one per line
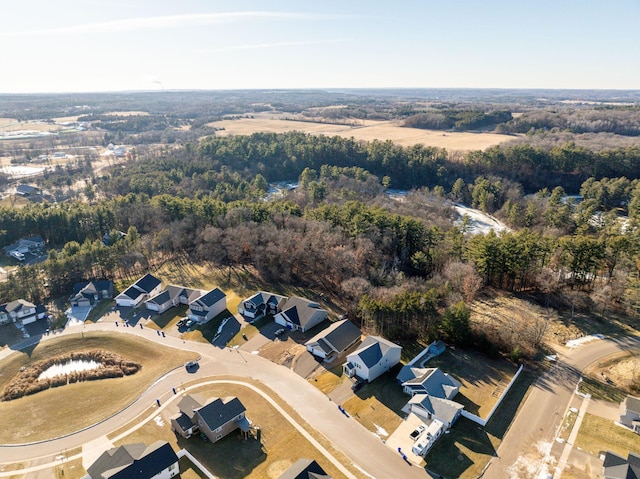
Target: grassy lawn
598 435
188 470
234 457
483 379
54 412
379 403
600 390
100 310
207 331
167 319
330 379
250 330
465 451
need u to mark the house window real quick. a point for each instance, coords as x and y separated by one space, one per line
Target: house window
218 437
219 429
172 467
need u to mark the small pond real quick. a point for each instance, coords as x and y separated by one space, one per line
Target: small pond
68 368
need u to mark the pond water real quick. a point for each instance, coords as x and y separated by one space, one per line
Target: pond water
68 367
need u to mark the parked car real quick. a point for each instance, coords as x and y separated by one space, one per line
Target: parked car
191 366
189 323
419 430
279 332
355 387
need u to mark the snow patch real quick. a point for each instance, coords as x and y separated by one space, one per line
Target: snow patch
158 420
22 171
537 464
574 343
380 431
481 223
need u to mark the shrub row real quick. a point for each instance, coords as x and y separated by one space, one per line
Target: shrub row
26 382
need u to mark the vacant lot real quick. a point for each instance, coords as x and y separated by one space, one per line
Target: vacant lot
234 457
621 370
367 131
598 435
54 412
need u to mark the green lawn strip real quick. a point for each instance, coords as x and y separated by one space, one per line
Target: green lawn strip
167 319
65 409
600 390
100 310
598 435
234 457
467 449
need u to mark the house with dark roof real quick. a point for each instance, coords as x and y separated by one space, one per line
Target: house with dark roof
27 190
88 293
24 246
374 357
215 418
617 467
260 304
431 381
630 413
300 314
22 312
334 340
172 296
207 306
305 469
146 287
136 461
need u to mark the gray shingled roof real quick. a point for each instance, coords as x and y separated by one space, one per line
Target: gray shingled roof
305 469
435 383
190 403
443 409
616 467
300 310
217 412
339 336
373 348
633 404
133 461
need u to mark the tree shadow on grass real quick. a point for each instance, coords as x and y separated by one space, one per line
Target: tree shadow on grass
232 457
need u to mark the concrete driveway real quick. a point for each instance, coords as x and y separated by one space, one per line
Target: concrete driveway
264 336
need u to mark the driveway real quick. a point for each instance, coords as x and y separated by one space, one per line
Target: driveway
363 449
264 336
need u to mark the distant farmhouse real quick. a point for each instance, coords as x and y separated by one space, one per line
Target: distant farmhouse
157 461
215 418
27 190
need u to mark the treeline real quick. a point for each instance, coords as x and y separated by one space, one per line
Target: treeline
449 119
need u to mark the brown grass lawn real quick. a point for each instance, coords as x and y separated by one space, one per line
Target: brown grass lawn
367 131
622 369
601 390
597 435
234 457
329 380
54 412
468 448
483 379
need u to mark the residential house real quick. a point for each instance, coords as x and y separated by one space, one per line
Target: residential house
617 467
172 296
305 469
334 340
146 287
430 407
260 304
300 314
88 293
27 190
431 381
374 357
408 371
630 413
24 246
21 311
207 306
214 418
129 461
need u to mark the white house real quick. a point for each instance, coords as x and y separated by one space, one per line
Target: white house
260 304
21 311
172 296
146 287
334 340
157 461
374 357
207 306
630 413
300 314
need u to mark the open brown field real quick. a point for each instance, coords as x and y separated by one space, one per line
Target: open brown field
11 124
366 131
621 370
53 412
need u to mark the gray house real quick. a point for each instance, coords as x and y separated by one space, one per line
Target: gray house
214 418
334 340
431 381
617 467
300 314
157 461
305 469
630 413
89 293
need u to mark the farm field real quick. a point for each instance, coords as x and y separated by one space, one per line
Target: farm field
366 131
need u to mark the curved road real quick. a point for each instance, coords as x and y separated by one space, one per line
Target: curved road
542 413
363 448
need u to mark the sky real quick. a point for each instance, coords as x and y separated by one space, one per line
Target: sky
115 45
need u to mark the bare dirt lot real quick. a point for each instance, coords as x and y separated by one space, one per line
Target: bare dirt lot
621 370
364 130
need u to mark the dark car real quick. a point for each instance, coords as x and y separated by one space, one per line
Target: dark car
414 435
192 366
357 386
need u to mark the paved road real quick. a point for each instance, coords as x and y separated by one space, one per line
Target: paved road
538 420
365 450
